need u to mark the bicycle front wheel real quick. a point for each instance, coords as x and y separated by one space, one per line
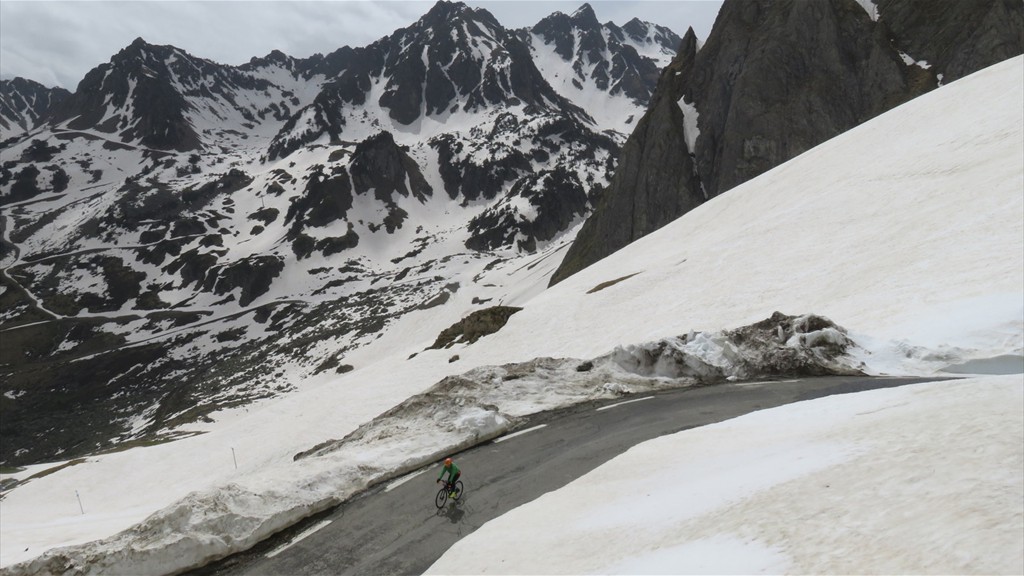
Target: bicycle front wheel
458 490
442 496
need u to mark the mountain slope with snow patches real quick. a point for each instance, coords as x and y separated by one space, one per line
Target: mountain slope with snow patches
180 236
908 231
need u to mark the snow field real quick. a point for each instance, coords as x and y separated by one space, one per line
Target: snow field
918 479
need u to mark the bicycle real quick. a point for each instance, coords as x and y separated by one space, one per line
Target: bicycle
448 491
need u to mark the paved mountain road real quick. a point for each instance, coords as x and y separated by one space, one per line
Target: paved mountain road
395 528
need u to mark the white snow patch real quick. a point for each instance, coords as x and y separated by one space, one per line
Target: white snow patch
690 129
870 8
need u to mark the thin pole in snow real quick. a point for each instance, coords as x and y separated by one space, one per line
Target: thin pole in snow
80 507
233 459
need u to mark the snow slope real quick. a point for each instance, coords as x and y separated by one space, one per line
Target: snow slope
908 231
919 479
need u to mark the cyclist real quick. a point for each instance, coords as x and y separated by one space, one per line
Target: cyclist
453 475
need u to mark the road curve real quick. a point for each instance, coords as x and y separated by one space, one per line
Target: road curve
394 528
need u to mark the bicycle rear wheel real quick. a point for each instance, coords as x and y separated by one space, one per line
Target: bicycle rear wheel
442 496
458 490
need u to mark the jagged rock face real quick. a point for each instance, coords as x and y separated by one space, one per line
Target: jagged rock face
776 78
955 38
23 103
379 164
808 71
143 105
433 70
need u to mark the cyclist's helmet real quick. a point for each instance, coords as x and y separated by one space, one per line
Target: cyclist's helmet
447 461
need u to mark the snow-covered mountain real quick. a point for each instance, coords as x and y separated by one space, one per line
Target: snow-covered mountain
162 98
181 235
588 62
908 231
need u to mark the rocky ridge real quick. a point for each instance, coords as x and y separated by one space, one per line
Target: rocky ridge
23 103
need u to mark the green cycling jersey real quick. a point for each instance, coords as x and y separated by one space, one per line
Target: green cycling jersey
452 470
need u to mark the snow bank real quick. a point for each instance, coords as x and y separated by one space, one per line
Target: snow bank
456 413
778 346
924 478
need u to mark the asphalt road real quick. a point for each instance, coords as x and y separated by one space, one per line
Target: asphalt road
395 528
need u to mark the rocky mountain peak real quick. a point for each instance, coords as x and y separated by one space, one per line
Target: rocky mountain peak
556 29
641 33
687 46
138 74
454 60
446 11
23 103
446 16
141 51
585 18
275 57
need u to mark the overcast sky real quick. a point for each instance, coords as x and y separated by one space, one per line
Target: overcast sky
57 42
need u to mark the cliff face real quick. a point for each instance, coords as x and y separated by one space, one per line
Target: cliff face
955 38
781 77
776 78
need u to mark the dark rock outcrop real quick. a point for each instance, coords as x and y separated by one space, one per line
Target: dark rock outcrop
955 38
326 198
475 326
379 164
251 276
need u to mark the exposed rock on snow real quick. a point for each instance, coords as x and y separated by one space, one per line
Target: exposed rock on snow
475 326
